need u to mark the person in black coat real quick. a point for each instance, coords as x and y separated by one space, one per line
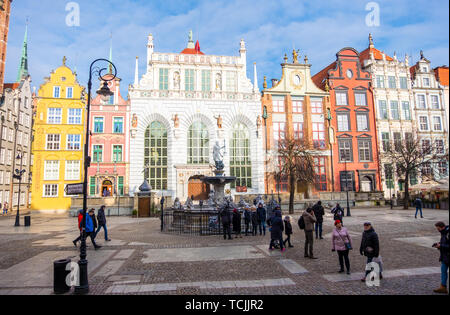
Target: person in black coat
370 246
101 217
237 228
255 223
247 220
288 231
262 217
319 212
225 217
444 249
277 228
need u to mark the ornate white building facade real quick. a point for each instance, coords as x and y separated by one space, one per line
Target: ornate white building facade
182 106
430 115
394 107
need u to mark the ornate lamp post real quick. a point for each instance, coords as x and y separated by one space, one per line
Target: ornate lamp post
265 116
105 92
18 175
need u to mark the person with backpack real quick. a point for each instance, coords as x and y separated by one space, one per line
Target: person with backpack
307 221
288 231
225 216
276 231
338 213
370 247
319 212
237 228
247 219
419 204
342 243
444 249
89 228
262 217
102 223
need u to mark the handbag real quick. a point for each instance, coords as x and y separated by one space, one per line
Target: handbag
347 244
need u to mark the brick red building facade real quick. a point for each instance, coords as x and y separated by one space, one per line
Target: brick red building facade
5 9
353 123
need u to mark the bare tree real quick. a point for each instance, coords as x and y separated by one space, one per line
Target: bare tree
413 156
295 163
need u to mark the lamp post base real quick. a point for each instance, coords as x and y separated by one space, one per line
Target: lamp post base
17 221
83 288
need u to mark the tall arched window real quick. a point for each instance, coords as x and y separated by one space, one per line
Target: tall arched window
240 159
198 144
155 160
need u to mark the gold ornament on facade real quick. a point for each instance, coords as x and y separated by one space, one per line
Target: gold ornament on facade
265 83
295 55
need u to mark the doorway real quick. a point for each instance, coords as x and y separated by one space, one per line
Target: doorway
107 188
366 184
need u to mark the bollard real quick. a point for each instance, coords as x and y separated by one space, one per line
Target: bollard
27 220
59 276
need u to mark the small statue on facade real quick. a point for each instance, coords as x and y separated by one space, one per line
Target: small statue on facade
258 122
189 205
176 80
176 121
218 82
219 121
134 122
295 55
177 204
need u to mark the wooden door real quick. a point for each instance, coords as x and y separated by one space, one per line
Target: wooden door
198 189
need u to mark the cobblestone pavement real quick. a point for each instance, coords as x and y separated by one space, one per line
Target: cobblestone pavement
141 260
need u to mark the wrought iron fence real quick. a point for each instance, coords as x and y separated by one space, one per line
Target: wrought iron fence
196 223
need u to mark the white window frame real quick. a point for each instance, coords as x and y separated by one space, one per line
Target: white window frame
47 142
436 97
51 170
70 88
420 123
77 118
419 103
72 172
53 118
56 88
339 98
73 142
51 190
434 123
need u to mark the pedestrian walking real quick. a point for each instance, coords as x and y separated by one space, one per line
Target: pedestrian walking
342 244
419 204
247 219
80 219
5 208
94 220
225 216
288 231
370 247
255 223
262 217
276 230
90 231
444 248
237 221
309 219
101 218
319 212
338 213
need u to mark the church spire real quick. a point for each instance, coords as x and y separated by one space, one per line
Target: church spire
23 68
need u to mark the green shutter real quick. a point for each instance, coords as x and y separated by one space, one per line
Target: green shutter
121 185
92 186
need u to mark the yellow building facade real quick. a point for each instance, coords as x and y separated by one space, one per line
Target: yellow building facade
58 144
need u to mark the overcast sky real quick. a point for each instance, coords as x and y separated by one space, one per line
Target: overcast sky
270 28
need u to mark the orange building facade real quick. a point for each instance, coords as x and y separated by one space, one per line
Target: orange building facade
352 123
296 108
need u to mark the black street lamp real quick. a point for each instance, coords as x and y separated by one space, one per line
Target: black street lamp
265 117
18 175
105 92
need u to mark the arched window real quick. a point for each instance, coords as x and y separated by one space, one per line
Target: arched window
240 159
155 159
198 144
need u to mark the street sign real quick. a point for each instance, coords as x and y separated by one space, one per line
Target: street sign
74 189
